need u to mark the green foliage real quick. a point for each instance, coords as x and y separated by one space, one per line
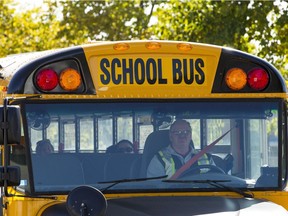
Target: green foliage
257 27
5 25
104 20
33 30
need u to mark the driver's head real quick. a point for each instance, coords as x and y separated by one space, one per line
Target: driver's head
180 134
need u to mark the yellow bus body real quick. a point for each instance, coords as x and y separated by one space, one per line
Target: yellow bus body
158 60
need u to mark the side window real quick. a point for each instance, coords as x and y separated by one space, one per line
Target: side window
53 135
144 131
215 129
87 134
196 132
125 128
105 136
35 137
69 136
262 146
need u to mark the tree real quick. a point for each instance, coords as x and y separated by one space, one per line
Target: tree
105 20
258 27
5 25
29 31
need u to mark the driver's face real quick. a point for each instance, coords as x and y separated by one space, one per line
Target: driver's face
180 134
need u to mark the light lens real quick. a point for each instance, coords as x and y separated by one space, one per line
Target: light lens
258 79
236 79
184 46
47 79
70 79
3 88
121 46
153 45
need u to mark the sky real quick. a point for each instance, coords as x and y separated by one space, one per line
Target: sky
23 5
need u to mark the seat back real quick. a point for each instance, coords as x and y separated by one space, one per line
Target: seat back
154 143
94 167
268 178
57 169
119 166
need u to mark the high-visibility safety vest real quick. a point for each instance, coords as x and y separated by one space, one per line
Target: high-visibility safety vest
169 163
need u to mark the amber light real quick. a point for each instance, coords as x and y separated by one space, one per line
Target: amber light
121 46
47 79
184 46
258 79
236 79
70 79
153 45
3 88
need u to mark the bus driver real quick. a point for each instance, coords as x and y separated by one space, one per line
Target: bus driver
168 160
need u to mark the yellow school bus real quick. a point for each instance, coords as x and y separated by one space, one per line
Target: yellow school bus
65 111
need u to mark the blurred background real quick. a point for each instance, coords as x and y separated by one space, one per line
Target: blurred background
257 27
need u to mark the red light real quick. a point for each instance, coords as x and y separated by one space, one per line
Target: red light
258 79
47 79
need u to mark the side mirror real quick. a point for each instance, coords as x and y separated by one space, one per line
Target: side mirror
12 176
13 125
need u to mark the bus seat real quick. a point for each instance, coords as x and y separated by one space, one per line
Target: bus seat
226 164
119 166
136 167
93 167
229 162
154 142
57 169
268 178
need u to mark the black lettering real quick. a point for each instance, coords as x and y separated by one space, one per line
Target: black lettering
139 70
115 63
200 77
161 79
188 73
105 78
176 70
151 74
127 71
